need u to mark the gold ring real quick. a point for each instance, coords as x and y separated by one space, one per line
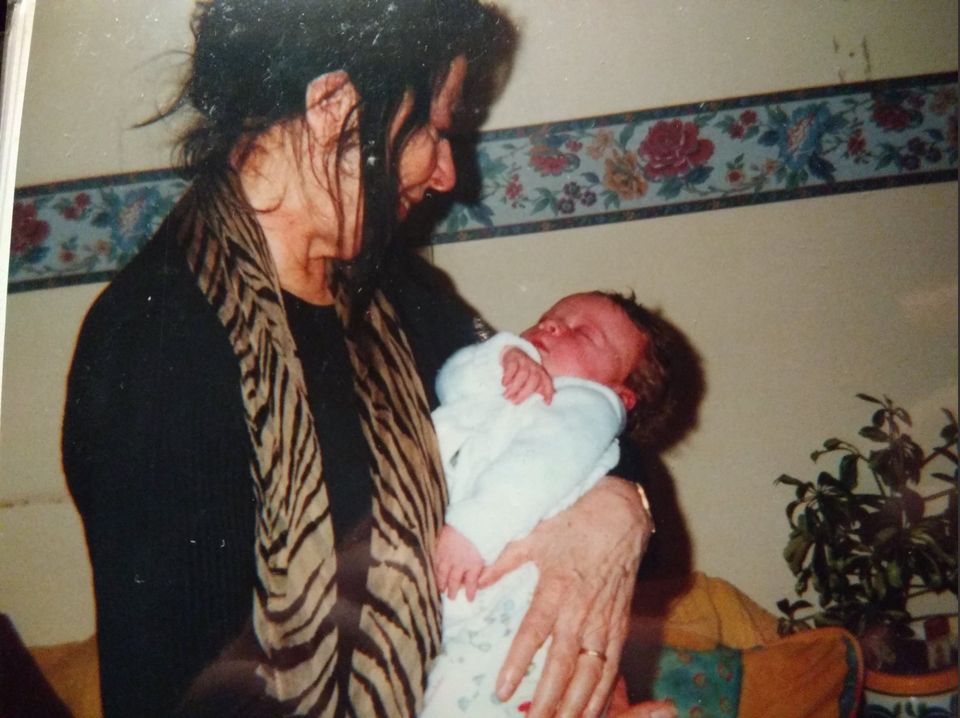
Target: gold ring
596 654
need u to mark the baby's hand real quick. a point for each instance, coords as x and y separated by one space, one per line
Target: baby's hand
457 563
522 377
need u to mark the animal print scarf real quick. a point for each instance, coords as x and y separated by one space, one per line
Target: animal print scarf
296 563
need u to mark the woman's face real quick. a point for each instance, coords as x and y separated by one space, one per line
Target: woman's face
425 163
426 160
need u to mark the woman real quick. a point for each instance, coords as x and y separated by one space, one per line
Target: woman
319 126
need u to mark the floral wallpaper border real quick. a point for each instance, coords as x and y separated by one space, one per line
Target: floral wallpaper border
614 168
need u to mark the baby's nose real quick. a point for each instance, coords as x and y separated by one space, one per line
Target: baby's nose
550 326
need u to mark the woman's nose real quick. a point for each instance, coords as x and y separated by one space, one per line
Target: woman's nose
444 175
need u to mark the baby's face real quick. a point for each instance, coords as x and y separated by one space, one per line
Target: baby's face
588 336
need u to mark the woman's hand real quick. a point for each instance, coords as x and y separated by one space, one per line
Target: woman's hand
588 557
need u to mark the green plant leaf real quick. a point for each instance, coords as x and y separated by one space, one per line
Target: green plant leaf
867 397
935 549
826 619
824 478
811 519
928 568
902 414
949 432
848 471
894 577
821 573
874 434
913 504
884 535
796 552
879 416
879 582
899 463
788 480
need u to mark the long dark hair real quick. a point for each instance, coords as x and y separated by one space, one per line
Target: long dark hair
253 60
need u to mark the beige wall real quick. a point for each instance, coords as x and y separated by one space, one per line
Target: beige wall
794 306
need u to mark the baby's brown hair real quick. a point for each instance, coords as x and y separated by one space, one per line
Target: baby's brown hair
650 380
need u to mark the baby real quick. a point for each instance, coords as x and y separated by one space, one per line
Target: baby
526 425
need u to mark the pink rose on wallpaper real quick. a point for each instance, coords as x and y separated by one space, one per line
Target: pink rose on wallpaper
672 148
28 231
548 164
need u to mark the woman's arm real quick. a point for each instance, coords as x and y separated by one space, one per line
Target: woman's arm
587 557
531 465
154 454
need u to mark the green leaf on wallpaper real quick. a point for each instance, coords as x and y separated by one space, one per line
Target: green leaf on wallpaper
704 119
777 116
540 205
481 213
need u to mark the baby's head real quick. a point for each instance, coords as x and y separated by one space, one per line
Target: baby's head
604 337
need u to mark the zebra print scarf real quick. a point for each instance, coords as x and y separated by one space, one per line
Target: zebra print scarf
296 563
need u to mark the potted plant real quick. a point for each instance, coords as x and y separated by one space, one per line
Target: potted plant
868 538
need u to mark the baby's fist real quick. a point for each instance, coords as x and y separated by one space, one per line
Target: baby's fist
457 563
523 376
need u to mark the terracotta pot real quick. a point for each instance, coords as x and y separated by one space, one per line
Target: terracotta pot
925 695
925 682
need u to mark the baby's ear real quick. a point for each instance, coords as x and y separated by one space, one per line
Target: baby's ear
627 395
330 99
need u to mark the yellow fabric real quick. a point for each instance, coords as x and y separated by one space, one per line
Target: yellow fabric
73 670
714 612
801 676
